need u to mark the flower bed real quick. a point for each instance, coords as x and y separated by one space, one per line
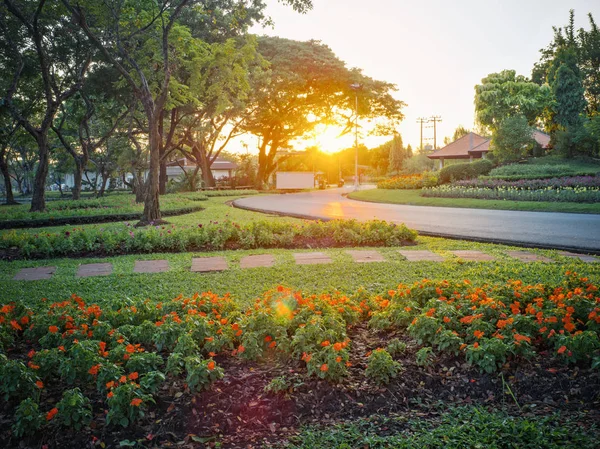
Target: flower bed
588 182
418 181
562 194
541 171
66 364
213 236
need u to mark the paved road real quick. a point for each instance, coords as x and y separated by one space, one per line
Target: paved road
543 229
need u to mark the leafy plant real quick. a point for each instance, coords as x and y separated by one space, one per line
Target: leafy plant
382 367
74 409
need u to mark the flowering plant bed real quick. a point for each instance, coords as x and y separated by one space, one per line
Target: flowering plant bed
212 236
588 182
205 365
418 181
516 193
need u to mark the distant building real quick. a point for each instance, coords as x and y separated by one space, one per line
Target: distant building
220 168
473 146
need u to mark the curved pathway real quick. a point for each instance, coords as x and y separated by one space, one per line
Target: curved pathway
577 232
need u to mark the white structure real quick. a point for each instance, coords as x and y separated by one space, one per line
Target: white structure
295 180
220 168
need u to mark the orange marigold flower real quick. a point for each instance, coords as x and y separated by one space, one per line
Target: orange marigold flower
31 353
136 402
110 384
268 338
519 337
272 344
16 325
446 319
337 346
306 357
235 326
476 345
238 333
51 414
94 370
324 367
39 384
325 343
133 376
123 379
478 334
53 329
338 359
463 346
562 349
430 312
130 348
241 349
211 365
24 319
110 395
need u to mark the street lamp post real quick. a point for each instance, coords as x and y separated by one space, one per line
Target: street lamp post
356 87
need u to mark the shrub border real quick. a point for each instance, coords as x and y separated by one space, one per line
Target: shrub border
89 219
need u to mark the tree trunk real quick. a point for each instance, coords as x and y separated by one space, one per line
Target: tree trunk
162 177
138 188
10 199
207 176
151 212
102 185
38 200
77 179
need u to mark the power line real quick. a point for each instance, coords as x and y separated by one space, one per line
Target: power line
435 119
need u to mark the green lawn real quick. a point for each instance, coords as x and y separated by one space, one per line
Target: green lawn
414 198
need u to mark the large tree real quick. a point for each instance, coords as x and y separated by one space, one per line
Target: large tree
506 94
48 62
307 86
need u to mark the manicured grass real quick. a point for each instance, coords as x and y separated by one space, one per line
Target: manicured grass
414 198
456 428
343 274
546 167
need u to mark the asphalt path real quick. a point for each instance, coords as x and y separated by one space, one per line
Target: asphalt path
576 232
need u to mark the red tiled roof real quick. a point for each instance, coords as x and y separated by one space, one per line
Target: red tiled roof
461 148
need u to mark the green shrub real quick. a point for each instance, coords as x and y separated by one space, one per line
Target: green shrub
74 409
382 368
28 418
457 172
396 347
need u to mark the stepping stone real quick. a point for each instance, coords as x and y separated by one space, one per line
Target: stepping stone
473 256
151 266
311 258
419 255
35 274
207 264
526 256
256 261
366 256
582 257
94 269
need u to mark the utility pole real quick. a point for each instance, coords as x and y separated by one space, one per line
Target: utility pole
435 119
421 120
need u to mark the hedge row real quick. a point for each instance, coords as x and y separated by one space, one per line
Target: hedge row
457 172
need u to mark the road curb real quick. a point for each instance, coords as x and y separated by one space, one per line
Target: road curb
574 249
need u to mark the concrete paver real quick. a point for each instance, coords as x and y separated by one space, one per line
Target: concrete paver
208 264
94 269
257 261
582 257
151 266
311 258
473 256
526 256
421 255
34 274
366 256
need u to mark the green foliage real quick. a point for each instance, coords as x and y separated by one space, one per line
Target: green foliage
126 404
456 172
381 367
396 347
455 428
425 356
28 419
74 409
506 94
513 139
277 385
16 381
417 181
417 163
547 167
201 373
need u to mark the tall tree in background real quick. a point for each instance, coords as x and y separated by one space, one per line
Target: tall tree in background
397 154
513 139
506 94
308 85
55 73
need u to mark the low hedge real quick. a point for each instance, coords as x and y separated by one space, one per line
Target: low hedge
457 172
210 237
417 181
88 219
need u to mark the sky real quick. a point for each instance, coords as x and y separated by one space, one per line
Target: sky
435 51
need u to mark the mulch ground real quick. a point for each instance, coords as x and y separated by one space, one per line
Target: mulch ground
237 413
